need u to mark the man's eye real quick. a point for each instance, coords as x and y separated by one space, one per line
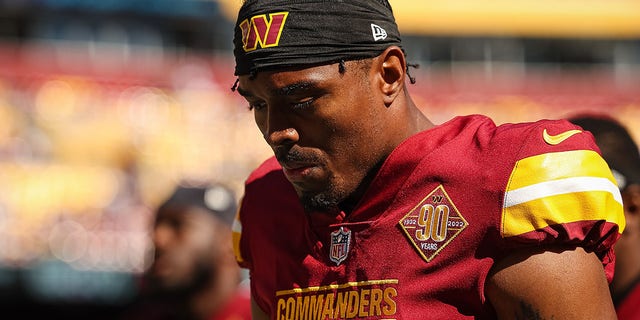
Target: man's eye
303 103
256 106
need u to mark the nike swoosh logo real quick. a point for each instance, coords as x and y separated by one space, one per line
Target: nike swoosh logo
558 138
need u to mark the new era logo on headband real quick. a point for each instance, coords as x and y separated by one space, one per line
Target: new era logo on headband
378 32
262 32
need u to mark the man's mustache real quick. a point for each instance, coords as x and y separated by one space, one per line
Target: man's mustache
284 155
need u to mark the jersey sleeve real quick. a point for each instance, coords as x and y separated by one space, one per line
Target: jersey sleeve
246 231
269 209
562 192
237 240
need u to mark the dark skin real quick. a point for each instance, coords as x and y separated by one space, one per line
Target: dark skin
320 148
627 253
194 264
331 130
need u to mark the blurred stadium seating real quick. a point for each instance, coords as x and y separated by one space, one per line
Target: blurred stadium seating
106 106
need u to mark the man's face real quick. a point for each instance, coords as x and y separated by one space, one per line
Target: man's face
322 126
631 199
628 240
185 249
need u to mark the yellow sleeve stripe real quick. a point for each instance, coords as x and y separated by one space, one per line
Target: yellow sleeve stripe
558 188
561 186
558 165
236 233
562 208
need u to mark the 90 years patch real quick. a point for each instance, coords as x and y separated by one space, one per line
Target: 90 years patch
433 223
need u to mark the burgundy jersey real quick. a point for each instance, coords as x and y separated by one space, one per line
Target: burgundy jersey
237 307
446 204
629 307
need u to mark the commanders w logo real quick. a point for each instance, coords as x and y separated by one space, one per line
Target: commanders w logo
262 32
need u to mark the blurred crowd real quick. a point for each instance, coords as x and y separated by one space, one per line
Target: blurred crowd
85 157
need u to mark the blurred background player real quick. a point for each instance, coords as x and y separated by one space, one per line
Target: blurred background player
193 274
621 152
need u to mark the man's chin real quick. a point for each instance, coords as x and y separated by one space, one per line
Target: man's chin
319 202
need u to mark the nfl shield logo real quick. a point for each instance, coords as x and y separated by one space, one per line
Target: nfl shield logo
340 240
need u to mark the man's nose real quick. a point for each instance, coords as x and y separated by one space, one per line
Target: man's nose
162 236
280 130
282 136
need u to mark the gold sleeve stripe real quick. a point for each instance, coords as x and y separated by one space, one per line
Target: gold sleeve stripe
561 186
236 232
558 165
562 208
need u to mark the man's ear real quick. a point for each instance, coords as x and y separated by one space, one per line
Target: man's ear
392 67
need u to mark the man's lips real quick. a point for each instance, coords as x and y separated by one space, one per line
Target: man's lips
297 170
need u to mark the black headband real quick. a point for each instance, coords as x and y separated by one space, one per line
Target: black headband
289 33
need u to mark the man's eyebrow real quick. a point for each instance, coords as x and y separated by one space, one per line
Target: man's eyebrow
283 91
293 88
